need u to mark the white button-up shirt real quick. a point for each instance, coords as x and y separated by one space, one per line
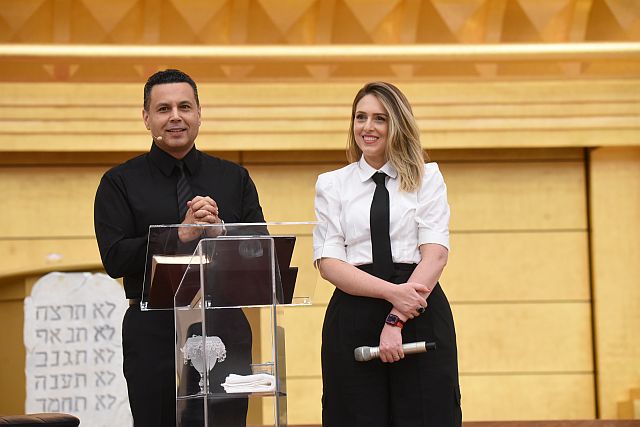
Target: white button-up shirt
343 201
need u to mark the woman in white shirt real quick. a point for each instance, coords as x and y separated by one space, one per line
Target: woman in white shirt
387 291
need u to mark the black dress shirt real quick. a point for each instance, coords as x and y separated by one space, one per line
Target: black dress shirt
142 192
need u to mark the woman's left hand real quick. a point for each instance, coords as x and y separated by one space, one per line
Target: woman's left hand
391 344
408 297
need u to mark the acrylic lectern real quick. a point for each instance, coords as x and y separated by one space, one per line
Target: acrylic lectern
229 287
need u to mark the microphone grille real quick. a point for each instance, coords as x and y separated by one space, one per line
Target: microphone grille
366 353
362 354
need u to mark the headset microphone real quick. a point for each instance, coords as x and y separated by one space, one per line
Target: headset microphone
157 138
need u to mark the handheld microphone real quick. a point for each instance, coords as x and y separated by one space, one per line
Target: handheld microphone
364 354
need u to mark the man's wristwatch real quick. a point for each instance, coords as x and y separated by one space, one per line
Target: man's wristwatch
394 320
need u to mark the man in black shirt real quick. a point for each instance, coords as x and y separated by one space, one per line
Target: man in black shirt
145 191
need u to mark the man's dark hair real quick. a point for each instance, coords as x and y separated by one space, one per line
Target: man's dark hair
164 77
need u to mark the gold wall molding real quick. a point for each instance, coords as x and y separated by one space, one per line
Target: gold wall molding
325 62
324 54
94 117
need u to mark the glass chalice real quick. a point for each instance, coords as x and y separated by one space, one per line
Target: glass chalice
195 349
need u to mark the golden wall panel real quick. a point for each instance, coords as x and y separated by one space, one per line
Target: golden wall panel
483 196
492 338
516 196
507 155
12 288
524 337
304 400
42 255
309 282
73 158
303 338
481 270
48 201
484 397
528 397
324 290
518 266
277 185
326 158
529 138
12 376
615 214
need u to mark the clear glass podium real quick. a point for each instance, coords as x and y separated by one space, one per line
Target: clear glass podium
228 287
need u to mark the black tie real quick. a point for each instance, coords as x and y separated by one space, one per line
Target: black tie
183 190
380 240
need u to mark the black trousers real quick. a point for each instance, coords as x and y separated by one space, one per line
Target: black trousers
148 342
419 390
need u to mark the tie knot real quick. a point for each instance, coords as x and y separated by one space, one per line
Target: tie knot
180 167
379 178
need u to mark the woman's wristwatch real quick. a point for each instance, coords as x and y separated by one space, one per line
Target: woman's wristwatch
394 320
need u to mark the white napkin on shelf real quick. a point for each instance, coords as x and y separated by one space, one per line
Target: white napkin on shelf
256 383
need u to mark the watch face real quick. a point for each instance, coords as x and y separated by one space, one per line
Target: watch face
392 319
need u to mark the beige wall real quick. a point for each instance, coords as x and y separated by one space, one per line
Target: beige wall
615 240
543 270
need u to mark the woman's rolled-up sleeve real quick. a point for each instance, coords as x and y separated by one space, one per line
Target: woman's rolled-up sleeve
432 213
328 238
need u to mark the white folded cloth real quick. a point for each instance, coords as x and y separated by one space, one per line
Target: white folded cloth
249 383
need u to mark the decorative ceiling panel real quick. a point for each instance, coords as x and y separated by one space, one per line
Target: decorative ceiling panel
316 22
352 21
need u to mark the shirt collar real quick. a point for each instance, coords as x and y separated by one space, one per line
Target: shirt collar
365 170
167 163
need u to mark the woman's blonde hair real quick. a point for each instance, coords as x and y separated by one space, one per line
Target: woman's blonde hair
404 150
